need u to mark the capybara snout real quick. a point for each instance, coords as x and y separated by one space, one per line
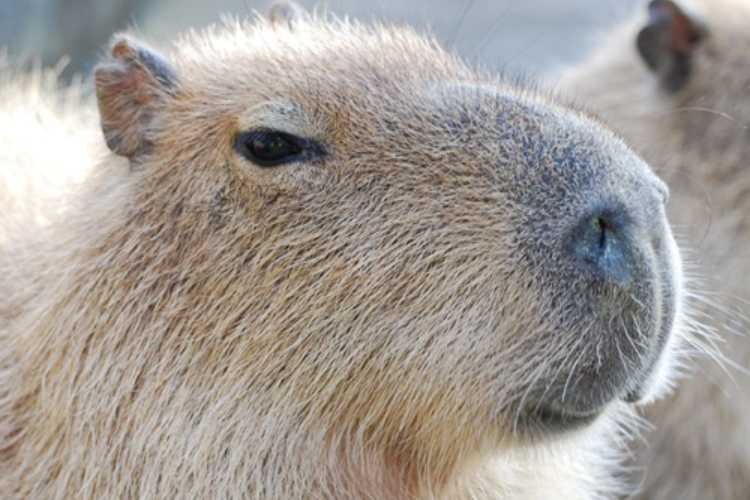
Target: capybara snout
585 211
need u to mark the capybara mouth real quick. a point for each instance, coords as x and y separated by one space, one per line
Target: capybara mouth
640 380
576 397
554 419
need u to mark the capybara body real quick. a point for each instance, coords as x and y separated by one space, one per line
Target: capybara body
675 84
327 261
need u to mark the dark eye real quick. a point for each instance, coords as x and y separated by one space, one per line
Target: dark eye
269 148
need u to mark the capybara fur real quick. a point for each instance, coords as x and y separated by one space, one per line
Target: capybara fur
313 259
675 84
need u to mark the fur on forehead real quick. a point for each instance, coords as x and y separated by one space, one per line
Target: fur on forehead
237 48
276 63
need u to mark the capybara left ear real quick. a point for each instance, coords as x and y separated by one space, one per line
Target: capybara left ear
132 86
668 41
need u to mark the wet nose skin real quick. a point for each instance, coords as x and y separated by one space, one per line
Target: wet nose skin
599 243
604 240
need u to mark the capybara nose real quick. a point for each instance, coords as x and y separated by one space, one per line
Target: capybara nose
600 243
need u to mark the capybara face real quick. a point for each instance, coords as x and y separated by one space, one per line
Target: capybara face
401 241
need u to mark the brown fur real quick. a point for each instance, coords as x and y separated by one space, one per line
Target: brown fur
371 324
697 137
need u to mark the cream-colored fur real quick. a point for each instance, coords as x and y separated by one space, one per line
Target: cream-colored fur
697 140
48 138
369 324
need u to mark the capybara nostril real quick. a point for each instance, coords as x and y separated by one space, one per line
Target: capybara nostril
599 243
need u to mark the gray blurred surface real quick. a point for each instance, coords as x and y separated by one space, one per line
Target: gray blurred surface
534 34
49 30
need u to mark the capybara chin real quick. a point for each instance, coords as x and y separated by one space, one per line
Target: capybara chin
674 81
340 264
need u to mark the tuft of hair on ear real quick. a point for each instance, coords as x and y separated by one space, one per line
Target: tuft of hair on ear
132 86
286 12
668 41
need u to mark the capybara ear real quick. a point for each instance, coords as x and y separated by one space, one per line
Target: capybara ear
668 41
287 12
132 85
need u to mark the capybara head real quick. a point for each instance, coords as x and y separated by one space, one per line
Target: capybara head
341 238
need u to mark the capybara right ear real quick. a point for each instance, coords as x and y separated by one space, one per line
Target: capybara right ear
667 42
132 86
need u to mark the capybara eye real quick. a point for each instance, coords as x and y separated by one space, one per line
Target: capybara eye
268 148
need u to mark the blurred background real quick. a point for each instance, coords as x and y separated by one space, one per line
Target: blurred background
532 35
